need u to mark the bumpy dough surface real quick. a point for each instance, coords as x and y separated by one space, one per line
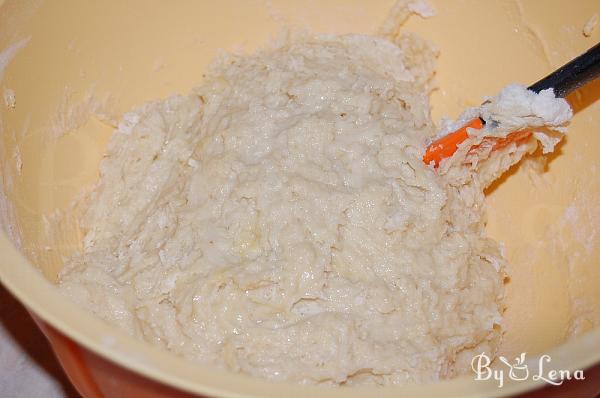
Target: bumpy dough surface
279 222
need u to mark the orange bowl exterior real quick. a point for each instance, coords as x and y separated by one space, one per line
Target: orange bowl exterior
96 377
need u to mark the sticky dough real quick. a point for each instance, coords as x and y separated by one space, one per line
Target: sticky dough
279 221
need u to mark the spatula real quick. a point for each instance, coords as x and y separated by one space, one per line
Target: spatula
564 80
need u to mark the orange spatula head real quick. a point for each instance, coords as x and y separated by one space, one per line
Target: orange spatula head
445 146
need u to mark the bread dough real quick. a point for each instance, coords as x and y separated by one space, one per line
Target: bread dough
279 220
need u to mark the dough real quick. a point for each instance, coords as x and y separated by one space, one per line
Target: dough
279 220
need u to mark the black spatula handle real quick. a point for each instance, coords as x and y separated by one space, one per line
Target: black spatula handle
573 75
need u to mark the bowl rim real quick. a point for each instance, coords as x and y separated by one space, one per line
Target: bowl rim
31 288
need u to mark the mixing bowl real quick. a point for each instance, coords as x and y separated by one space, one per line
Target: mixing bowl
68 69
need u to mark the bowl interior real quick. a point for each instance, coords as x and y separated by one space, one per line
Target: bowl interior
72 68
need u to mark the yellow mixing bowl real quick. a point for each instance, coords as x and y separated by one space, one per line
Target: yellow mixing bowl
69 68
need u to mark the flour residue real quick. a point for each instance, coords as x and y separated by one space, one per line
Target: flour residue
8 220
10 99
590 25
7 55
583 219
530 33
73 113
